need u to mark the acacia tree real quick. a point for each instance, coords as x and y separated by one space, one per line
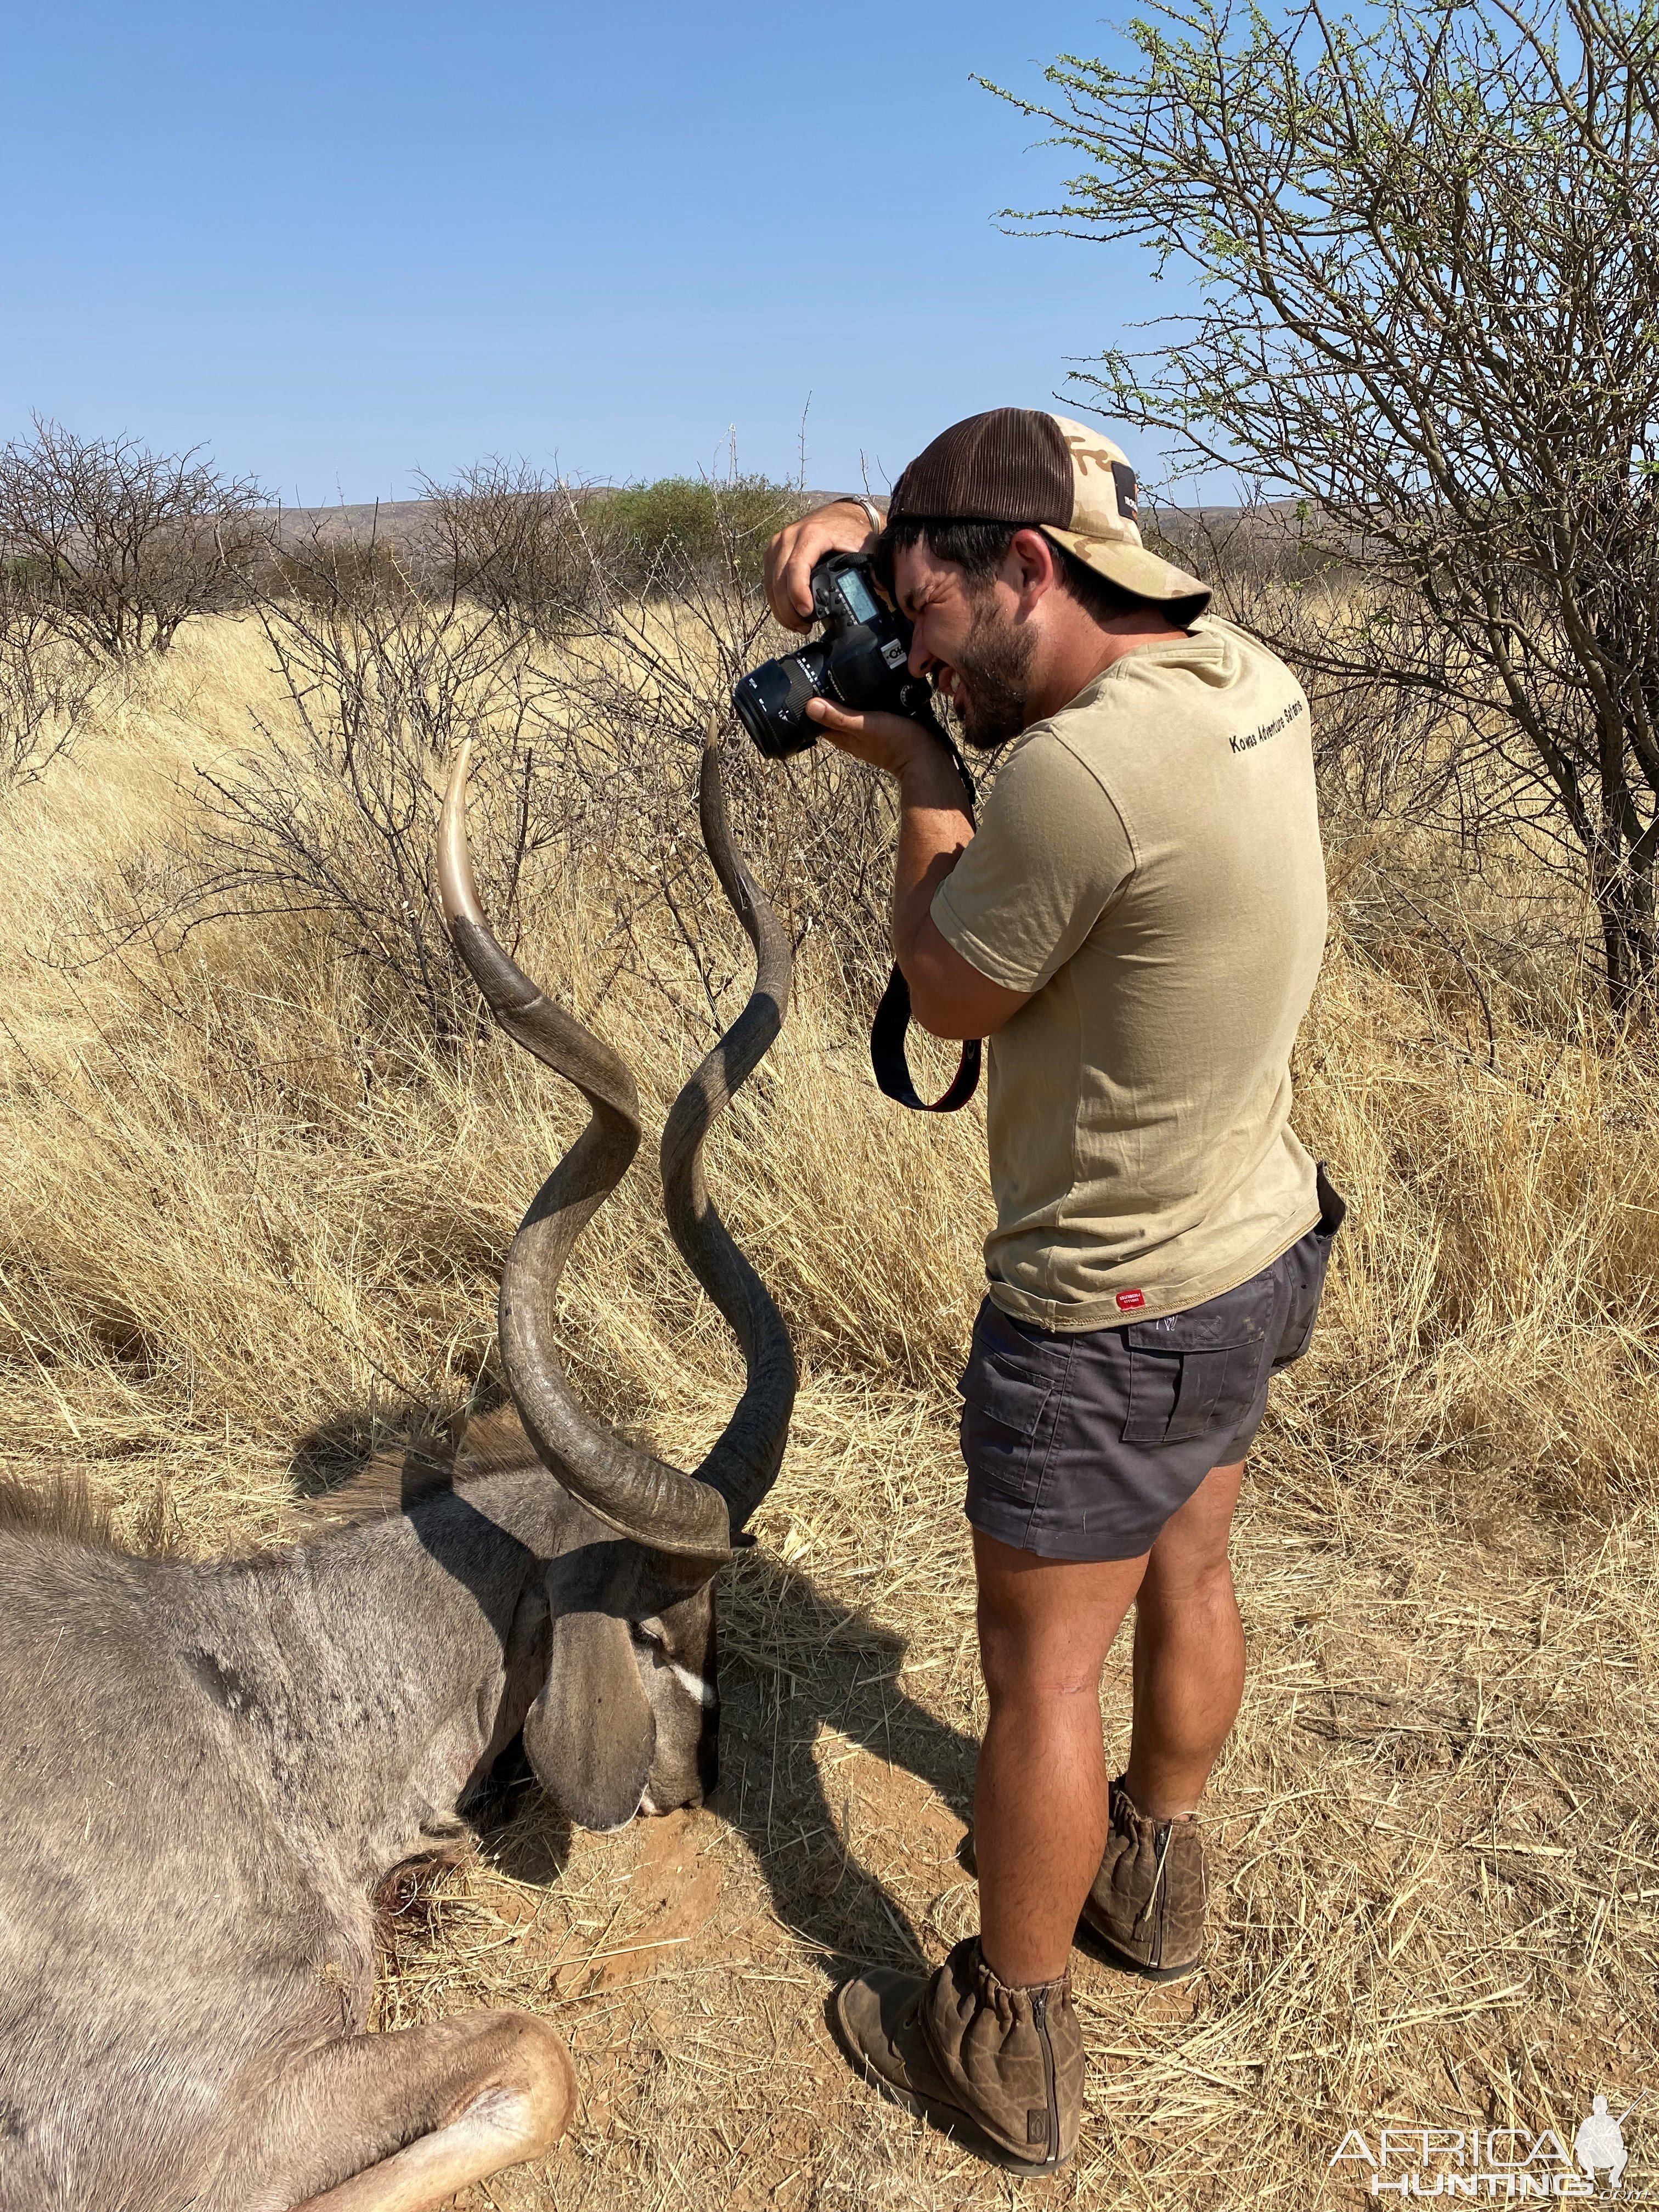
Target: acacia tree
1426 249
115 546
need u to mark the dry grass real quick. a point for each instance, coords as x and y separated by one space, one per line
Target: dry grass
242 1239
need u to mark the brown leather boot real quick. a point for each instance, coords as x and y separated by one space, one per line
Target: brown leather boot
1001 2067
1148 1901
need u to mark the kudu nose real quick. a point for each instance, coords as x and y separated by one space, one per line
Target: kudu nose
687 1802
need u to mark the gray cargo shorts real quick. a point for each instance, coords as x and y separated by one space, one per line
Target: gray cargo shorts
1081 1445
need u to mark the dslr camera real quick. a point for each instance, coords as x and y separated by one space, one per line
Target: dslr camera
859 662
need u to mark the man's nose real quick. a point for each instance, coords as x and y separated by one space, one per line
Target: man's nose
920 662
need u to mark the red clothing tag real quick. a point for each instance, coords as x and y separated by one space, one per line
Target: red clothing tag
1129 1300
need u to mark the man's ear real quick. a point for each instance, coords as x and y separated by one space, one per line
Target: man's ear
1032 566
591 1735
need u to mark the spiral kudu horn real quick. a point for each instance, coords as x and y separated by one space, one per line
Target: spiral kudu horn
691 1516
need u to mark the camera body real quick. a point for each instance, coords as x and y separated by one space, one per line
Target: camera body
859 662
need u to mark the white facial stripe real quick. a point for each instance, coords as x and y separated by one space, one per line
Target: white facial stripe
693 1685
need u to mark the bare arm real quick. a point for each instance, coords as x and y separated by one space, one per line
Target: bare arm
948 994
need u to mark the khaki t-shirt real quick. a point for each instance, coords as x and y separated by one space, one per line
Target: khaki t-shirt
1149 865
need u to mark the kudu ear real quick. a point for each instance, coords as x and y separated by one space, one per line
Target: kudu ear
591 1735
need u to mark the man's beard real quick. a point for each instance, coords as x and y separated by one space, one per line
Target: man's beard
992 667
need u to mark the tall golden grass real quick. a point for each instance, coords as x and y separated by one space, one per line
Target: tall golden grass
245 1239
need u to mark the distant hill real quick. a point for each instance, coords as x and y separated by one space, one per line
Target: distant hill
404 520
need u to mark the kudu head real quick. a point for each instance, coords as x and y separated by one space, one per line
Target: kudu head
627 1716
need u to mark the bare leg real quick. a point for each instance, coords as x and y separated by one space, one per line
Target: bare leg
399 2122
1045 1626
1188 1653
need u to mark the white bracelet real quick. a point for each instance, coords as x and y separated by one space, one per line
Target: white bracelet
874 514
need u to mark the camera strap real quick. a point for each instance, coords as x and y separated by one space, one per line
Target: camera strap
892 1022
887 1056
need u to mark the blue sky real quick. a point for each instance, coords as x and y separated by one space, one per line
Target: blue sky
342 243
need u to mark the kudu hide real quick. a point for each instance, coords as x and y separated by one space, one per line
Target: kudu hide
206 1770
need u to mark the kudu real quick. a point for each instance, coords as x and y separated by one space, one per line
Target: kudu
207 1769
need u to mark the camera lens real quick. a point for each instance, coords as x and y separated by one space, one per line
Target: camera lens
771 701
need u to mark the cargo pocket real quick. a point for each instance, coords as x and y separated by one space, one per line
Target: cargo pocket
1195 1371
1004 1396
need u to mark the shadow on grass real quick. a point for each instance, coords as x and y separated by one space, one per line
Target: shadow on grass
797 1662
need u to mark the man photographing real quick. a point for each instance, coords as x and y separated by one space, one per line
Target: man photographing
1136 927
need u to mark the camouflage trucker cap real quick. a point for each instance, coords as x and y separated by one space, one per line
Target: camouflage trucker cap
1043 472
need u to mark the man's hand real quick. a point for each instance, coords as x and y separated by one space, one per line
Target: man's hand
841 527
888 742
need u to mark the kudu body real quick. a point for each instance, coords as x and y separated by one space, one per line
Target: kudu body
206 1770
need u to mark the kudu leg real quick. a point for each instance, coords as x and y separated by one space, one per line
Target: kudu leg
409 2117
